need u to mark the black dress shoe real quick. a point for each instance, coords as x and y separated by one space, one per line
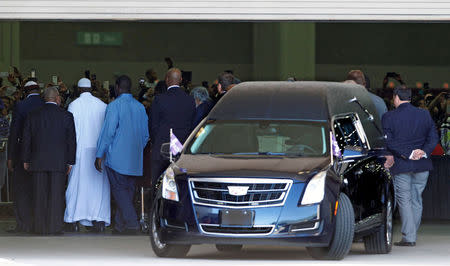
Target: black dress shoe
76 227
72 227
405 244
99 227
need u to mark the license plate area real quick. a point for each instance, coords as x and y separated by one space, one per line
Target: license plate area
237 218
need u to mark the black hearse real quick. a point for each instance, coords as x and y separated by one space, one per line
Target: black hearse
279 163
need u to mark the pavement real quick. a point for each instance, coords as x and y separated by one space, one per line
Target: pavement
433 248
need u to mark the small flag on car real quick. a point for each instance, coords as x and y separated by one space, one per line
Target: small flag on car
175 145
335 146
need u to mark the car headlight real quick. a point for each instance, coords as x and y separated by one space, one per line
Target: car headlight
169 187
315 190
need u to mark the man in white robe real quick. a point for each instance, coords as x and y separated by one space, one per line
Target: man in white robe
88 192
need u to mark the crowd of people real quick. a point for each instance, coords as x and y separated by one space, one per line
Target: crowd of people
108 141
101 144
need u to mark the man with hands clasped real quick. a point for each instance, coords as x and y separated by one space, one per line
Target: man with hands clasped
411 137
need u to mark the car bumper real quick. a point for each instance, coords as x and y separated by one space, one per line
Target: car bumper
177 236
290 225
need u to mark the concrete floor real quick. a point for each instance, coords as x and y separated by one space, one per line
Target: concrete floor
433 248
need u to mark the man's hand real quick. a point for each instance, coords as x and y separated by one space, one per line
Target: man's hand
389 161
10 165
69 168
26 166
98 164
418 154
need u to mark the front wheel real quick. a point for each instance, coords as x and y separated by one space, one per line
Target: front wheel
160 248
343 233
380 242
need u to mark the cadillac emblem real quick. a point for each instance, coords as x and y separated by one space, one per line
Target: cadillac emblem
237 190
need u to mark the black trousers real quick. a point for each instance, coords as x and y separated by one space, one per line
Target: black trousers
22 184
49 196
123 190
158 167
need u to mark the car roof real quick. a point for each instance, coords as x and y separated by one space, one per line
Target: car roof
299 100
273 100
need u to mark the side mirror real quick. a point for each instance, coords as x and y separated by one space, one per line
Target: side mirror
352 152
165 150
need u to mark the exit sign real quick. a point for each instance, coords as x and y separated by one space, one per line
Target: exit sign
99 38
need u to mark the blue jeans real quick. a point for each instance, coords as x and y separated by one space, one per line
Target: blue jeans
122 190
408 194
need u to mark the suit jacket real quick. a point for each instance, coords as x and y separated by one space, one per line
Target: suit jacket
173 109
49 139
408 128
20 112
202 111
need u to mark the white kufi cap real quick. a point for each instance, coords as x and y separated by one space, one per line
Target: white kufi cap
84 83
30 83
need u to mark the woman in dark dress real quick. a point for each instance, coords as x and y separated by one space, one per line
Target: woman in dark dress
203 102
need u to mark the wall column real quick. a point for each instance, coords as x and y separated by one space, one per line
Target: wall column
282 50
297 50
266 51
9 45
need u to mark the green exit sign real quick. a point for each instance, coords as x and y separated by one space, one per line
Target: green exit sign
99 38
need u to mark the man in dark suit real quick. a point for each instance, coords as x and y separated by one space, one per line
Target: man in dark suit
225 82
49 148
171 110
411 137
22 182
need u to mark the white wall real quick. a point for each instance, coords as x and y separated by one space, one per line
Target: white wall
243 10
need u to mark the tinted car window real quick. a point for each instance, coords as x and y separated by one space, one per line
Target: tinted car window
246 137
347 133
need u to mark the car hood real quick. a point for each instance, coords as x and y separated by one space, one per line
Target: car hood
207 165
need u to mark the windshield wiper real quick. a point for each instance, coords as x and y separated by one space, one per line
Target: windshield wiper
209 153
260 153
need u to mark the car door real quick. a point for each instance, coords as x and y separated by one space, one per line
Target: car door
359 171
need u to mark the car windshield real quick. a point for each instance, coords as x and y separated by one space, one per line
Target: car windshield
261 138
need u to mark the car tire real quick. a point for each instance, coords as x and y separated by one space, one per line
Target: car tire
228 248
380 242
344 231
160 248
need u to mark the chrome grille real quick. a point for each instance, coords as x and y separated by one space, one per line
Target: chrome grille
236 231
260 192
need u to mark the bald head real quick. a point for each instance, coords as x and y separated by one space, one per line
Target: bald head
173 77
51 94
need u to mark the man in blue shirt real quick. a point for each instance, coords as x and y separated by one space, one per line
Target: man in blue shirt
122 140
411 137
